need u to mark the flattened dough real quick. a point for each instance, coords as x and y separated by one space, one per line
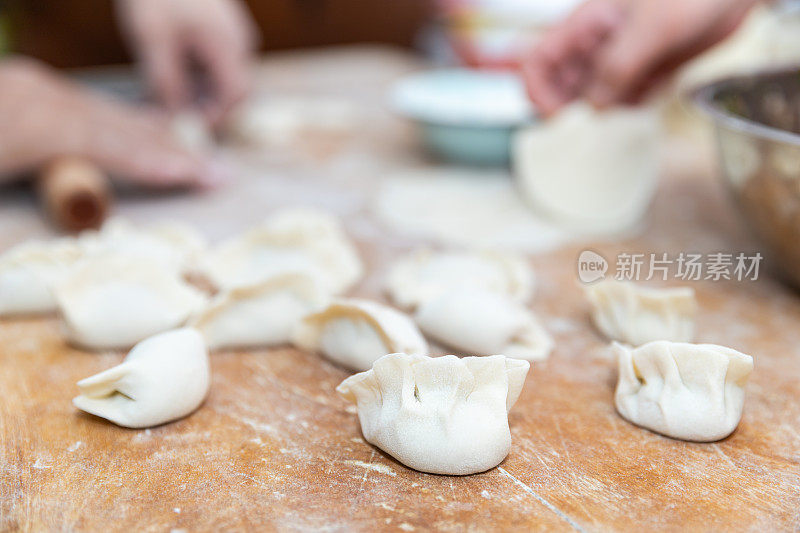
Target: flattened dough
593 172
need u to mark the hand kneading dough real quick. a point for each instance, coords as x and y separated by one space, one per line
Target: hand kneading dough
263 314
480 322
163 378
28 273
442 415
685 391
292 240
594 172
427 274
355 333
635 315
115 301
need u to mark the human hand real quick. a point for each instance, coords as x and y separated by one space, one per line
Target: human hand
43 116
169 37
613 51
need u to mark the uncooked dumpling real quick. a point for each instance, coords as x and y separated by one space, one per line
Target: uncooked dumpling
263 314
282 120
28 273
635 315
163 378
442 415
594 172
426 274
116 301
355 333
171 244
190 130
292 240
686 391
480 322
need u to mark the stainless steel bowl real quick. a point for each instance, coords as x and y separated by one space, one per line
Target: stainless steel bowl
757 122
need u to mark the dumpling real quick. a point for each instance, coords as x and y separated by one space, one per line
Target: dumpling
293 240
586 185
171 244
115 302
426 274
685 391
284 120
163 378
355 333
263 314
190 130
479 322
28 273
442 415
635 315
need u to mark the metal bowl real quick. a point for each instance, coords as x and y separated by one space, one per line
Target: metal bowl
757 123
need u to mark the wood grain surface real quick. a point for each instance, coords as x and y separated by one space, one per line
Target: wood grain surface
274 447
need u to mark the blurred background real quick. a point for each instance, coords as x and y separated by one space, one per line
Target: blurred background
81 33
438 91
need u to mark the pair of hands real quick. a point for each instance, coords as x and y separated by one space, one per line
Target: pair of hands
608 51
45 115
614 51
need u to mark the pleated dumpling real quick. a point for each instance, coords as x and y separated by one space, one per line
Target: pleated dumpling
263 314
28 273
691 392
355 333
480 322
442 415
636 315
293 240
171 244
426 274
115 301
163 378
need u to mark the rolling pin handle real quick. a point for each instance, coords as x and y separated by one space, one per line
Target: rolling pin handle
75 193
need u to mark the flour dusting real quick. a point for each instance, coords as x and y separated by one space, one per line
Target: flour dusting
464 208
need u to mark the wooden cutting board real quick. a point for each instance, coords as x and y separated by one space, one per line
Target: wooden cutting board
274 447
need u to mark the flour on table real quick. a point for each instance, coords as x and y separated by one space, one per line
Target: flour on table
461 207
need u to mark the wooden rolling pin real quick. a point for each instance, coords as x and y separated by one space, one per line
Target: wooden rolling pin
75 193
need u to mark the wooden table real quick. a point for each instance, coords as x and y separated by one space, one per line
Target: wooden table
274 447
